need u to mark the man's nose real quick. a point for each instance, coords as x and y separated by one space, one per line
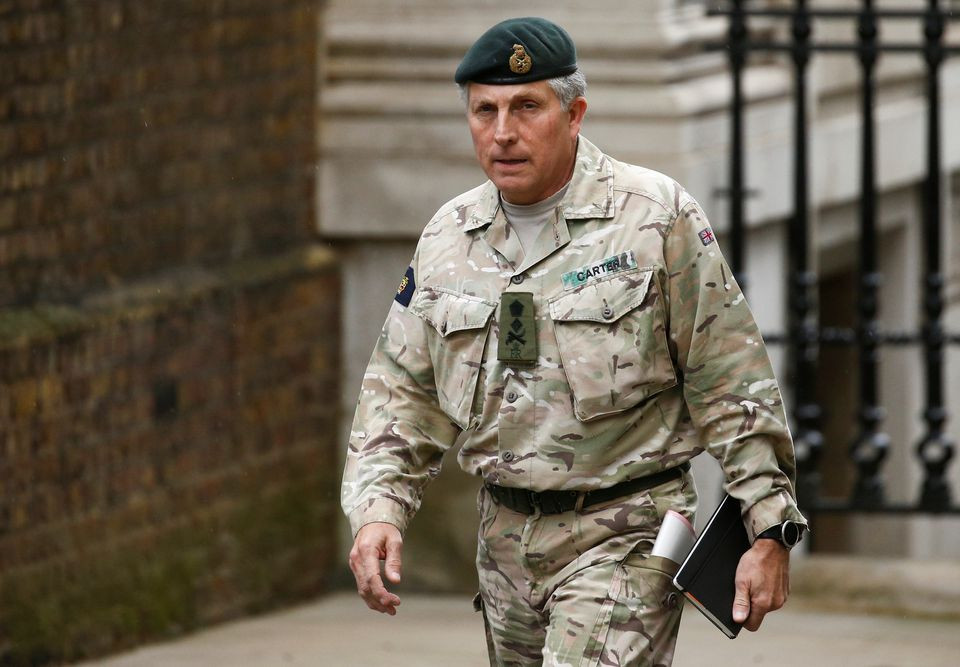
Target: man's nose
506 132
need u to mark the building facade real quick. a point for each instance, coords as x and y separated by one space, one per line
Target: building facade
394 146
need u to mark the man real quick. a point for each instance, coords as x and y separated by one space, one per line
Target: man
575 318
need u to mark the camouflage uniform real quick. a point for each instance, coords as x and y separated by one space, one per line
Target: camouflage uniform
646 355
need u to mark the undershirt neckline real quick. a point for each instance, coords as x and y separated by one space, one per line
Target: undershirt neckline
528 219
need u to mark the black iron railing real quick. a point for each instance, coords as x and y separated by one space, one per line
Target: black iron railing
804 335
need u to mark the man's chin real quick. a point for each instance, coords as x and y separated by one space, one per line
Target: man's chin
509 175
510 185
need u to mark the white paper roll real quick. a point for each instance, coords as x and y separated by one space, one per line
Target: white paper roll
675 539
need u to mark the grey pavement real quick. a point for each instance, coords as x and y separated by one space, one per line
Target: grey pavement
443 631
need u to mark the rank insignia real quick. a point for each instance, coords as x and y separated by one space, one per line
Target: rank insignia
406 288
518 329
706 236
520 62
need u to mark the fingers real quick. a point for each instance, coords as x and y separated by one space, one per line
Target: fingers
741 602
365 564
760 606
392 562
369 548
753 621
762 583
750 606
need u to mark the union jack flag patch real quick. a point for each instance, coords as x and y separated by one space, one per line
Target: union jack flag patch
706 236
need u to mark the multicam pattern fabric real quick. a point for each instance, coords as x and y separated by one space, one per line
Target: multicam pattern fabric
638 370
580 589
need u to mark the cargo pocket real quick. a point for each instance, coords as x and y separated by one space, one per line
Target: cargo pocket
460 322
649 580
613 343
597 639
645 614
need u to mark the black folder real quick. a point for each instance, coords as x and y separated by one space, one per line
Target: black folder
708 574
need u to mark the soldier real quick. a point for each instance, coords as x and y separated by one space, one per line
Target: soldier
573 318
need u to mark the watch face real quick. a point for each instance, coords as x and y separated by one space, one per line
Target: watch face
790 533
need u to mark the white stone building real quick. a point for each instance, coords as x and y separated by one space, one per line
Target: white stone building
394 146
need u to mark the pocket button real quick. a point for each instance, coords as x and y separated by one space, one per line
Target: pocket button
607 312
512 396
517 279
507 456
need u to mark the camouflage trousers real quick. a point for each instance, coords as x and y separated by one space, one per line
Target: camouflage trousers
580 588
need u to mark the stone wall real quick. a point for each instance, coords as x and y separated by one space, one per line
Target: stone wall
168 359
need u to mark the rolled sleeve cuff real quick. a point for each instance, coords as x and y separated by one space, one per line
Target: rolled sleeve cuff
771 511
382 510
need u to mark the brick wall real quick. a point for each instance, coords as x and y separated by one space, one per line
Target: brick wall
133 132
168 336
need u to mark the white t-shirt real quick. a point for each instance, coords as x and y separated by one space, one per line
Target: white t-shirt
527 221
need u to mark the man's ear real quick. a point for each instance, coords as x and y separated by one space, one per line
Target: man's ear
578 109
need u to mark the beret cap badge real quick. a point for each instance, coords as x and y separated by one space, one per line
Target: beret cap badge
502 55
520 61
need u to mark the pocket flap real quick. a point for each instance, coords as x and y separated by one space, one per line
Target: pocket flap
448 311
603 302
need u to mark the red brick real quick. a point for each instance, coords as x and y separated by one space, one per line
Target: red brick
142 144
147 87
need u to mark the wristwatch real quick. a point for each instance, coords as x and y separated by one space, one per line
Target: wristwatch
787 533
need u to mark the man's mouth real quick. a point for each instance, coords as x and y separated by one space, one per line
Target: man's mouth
510 162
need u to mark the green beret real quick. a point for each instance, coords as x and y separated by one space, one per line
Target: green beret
518 51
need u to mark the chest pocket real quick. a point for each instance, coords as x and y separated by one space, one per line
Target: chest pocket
460 322
613 343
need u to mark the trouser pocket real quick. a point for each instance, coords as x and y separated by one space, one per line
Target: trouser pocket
642 614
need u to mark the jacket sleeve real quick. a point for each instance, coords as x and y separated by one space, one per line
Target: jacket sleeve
728 381
399 433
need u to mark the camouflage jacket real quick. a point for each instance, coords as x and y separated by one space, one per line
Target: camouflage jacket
645 354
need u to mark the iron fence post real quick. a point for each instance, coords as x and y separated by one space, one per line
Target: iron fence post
935 450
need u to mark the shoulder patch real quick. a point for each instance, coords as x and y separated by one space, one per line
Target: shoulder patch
706 236
406 288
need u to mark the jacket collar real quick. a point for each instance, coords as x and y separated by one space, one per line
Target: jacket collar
590 194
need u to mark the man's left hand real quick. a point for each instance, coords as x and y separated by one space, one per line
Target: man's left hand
762 583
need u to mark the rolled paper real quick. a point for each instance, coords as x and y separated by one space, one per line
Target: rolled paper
675 539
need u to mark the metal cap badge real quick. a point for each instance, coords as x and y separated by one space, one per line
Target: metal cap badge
520 61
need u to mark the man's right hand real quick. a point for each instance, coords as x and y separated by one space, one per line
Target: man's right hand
376 542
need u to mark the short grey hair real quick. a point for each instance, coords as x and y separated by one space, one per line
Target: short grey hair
567 88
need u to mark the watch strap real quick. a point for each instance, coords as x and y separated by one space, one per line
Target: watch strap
787 533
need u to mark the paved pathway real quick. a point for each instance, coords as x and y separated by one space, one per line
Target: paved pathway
338 631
